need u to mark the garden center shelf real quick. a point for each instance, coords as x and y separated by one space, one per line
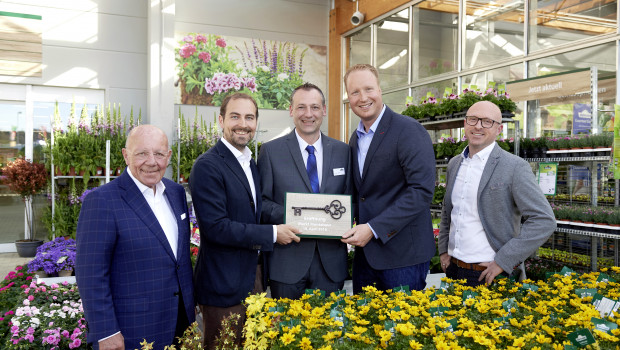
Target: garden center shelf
570 159
615 236
454 123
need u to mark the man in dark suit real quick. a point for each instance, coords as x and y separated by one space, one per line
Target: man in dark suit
226 194
304 161
133 264
394 176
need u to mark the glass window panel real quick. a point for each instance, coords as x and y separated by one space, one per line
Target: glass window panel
554 22
499 76
494 31
359 47
419 93
352 121
601 56
554 116
434 38
12 145
392 49
396 100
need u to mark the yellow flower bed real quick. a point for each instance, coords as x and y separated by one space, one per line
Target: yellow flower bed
508 315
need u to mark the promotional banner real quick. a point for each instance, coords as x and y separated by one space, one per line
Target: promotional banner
582 118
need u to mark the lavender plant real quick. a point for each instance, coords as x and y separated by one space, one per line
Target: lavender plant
277 69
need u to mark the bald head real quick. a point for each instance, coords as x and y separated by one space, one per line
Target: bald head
485 109
145 130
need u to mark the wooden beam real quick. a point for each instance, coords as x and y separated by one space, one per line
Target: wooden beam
333 80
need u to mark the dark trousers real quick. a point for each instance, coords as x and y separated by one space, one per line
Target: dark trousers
364 275
458 273
212 317
315 278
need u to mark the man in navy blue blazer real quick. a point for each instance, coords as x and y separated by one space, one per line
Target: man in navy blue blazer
226 194
133 264
394 177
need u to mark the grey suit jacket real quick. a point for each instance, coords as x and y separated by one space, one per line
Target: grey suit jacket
507 195
282 170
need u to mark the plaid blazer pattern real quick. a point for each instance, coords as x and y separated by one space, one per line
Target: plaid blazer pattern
128 277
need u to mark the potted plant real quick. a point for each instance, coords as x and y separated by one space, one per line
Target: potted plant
445 148
55 257
467 99
26 179
449 105
506 105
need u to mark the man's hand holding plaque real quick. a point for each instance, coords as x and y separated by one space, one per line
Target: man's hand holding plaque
319 215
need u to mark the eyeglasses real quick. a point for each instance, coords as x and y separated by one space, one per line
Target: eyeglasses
486 122
147 155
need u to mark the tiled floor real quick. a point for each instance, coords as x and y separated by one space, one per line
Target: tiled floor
8 262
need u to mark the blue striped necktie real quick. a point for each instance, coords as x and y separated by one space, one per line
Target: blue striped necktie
311 169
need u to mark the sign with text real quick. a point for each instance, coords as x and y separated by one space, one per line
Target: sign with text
319 215
551 86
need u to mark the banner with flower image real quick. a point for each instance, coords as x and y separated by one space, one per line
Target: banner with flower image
211 66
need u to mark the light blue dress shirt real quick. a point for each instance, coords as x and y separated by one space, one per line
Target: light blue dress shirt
363 144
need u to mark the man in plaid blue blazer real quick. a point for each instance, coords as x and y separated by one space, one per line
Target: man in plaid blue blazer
133 264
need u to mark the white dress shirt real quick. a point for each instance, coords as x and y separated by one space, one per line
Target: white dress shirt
318 153
161 208
244 158
468 241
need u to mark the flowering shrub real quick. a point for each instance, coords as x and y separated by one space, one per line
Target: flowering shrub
11 294
506 315
26 179
54 256
199 57
49 318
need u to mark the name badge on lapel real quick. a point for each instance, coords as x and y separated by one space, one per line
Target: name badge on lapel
183 216
338 171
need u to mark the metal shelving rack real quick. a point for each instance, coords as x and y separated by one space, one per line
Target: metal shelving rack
593 235
104 178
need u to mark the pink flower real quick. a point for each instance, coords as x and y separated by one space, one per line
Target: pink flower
18 268
31 297
75 344
29 337
188 39
220 42
205 57
201 38
187 50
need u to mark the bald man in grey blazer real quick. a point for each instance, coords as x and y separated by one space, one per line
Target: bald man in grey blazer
283 166
494 213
